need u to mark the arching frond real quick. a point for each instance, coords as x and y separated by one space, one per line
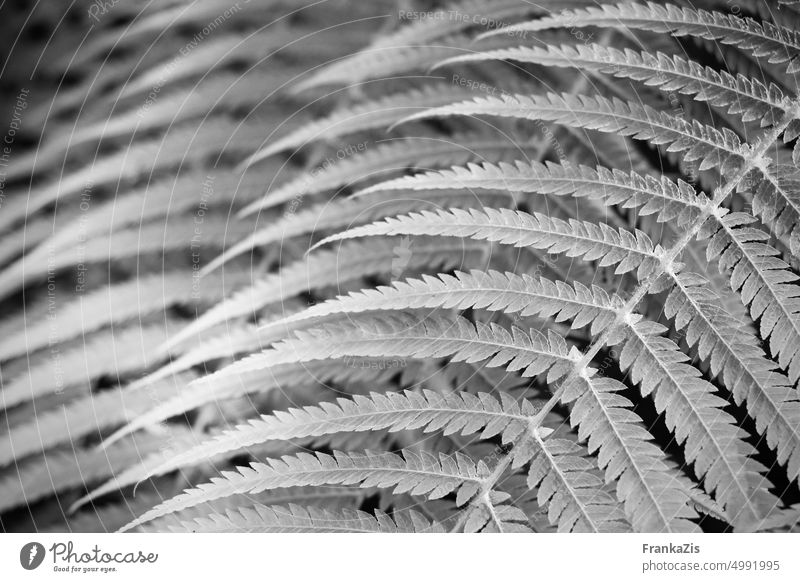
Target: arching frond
253 382
329 268
421 474
694 413
407 335
385 61
765 283
345 212
492 290
741 364
669 200
574 495
36 478
298 519
697 142
738 95
107 353
762 39
396 155
574 238
381 112
653 501
427 411
82 417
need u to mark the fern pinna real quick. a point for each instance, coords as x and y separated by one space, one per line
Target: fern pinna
491 266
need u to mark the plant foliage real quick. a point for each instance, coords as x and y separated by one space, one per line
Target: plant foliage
487 266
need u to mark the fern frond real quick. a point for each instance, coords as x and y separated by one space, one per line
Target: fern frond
259 381
691 410
765 282
81 417
382 62
627 250
738 95
181 146
394 411
492 290
298 519
495 515
697 142
328 497
566 485
232 341
441 23
405 49
212 96
396 155
158 200
776 199
58 470
254 49
762 39
117 304
653 500
344 212
324 269
420 474
412 336
113 352
379 113
150 239
735 355
669 200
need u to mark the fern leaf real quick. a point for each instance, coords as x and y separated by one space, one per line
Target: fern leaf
259 381
256 48
115 353
441 22
223 345
214 95
119 304
712 440
776 199
379 113
298 519
427 411
653 500
421 474
36 478
396 155
627 250
407 335
575 497
82 417
669 200
181 146
765 283
762 39
324 269
150 239
697 142
735 355
738 95
405 48
492 290
381 62
344 212
495 515
156 201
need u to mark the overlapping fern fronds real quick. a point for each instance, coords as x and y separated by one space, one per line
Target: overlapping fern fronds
494 265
